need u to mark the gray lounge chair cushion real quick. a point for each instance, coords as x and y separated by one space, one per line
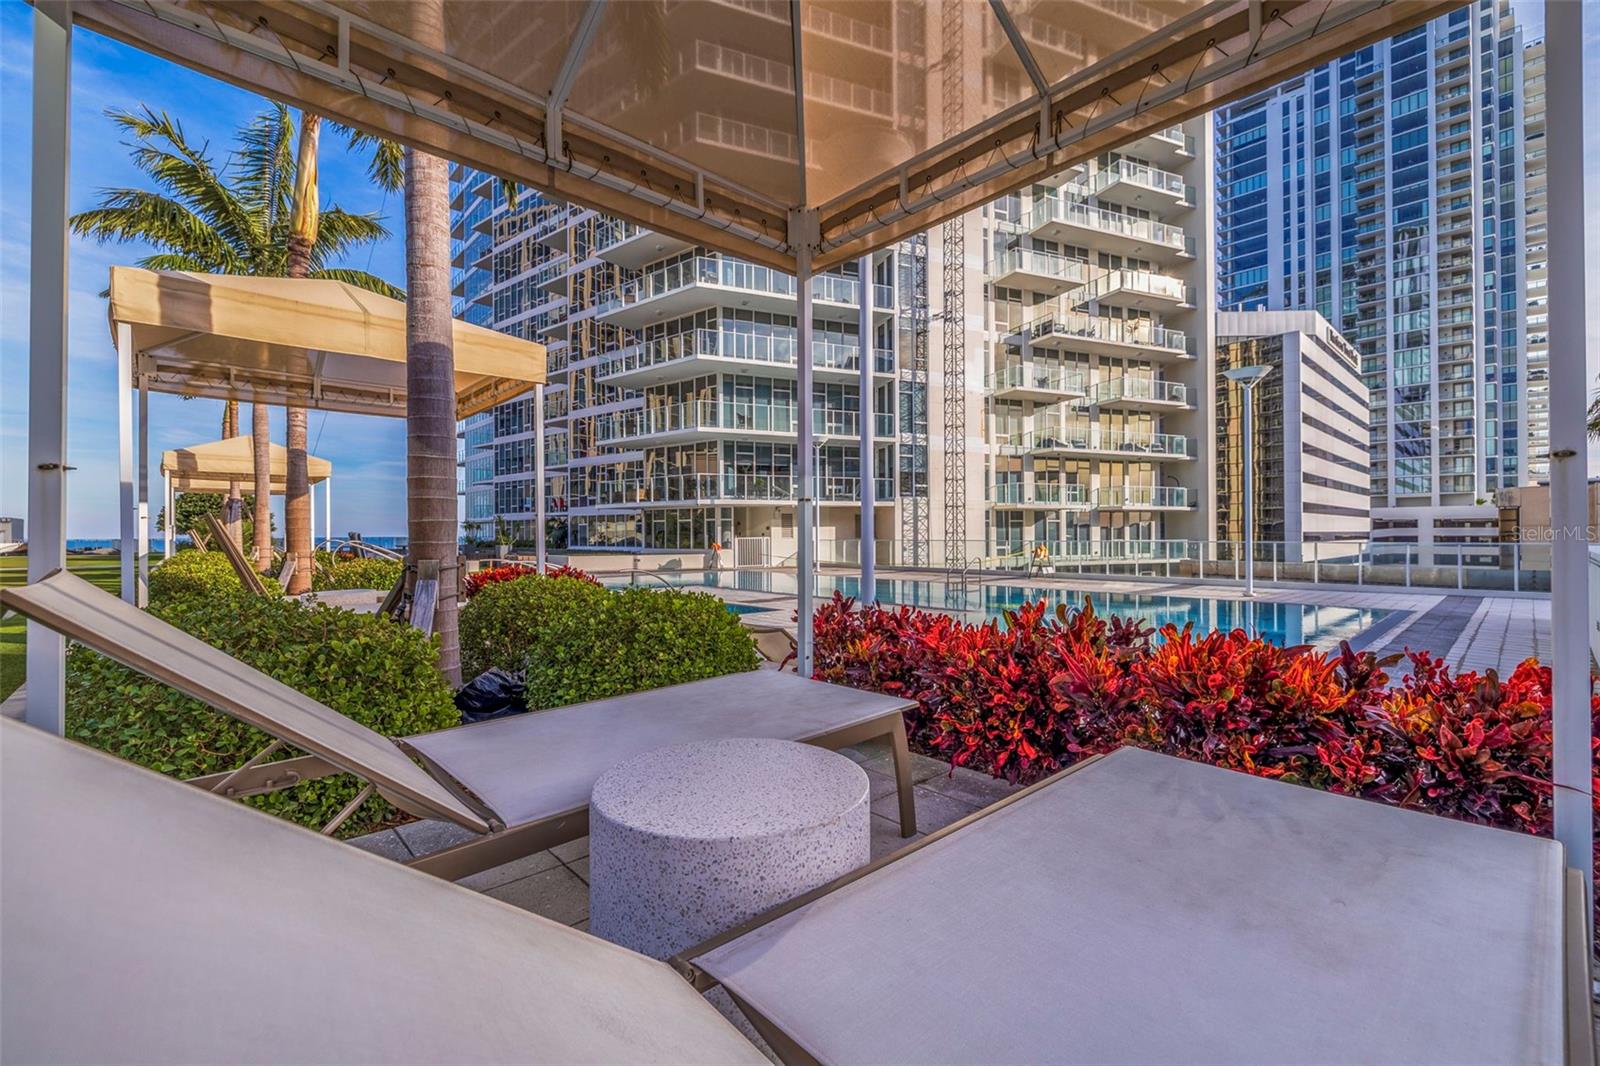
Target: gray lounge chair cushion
145 921
531 766
1145 909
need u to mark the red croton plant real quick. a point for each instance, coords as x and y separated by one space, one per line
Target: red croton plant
511 571
1023 699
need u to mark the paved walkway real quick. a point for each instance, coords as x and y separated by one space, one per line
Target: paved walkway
555 883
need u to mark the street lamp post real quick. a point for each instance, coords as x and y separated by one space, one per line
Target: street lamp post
1247 377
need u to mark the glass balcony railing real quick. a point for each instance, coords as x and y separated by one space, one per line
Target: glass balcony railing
1044 264
735 415
1038 377
776 350
1141 497
1090 437
1140 332
1073 213
1125 171
1143 282
730 485
1041 494
735 274
1153 390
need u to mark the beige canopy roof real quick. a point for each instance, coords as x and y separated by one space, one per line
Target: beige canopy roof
319 344
683 116
215 466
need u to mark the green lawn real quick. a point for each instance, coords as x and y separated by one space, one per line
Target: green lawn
103 570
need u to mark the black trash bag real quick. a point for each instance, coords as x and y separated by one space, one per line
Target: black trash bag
492 694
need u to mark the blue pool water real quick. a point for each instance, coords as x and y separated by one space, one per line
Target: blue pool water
1282 623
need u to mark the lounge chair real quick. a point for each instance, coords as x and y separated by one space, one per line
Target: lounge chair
147 922
1141 908
521 783
1137 908
248 577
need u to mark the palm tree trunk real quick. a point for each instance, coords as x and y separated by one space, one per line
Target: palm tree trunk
430 392
233 509
261 448
302 236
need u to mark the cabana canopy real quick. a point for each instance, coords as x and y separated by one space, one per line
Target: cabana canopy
314 343
908 114
215 466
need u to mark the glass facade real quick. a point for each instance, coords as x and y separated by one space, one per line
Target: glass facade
1384 191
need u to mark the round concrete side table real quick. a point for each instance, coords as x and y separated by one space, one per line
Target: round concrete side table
690 840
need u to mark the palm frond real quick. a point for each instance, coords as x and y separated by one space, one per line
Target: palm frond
361 279
385 158
178 261
139 215
187 174
339 230
266 165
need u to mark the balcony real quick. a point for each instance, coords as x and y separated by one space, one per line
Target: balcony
730 486
702 281
1134 393
1171 146
1135 185
1041 495
1142 498
1078 332
1025 268
1070 222
1089 439
1039 382
1138 289
694 419
709 351
635 247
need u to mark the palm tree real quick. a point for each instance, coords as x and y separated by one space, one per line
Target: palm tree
1593 425
229 220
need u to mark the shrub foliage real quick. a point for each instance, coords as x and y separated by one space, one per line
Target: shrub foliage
377 672
357 574
577 641
493 575
1024 699
195 575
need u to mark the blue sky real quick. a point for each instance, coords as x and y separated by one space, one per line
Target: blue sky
368 453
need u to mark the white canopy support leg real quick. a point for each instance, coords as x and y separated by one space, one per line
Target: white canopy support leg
128 554
805 550
169 512
47 350
311 513
1569 387
142 528
868 500
327 512
538 477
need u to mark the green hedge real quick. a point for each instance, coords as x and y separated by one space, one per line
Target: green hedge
190 575
357 574
577 641
379 673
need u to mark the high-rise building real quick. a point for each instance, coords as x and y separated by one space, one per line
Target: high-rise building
1308 438
1536 234
1385 191
1095 356
671 408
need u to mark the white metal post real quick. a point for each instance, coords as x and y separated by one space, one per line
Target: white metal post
327 511
169 514
47 349
1249 500
142 529
311 508
1569 386
868 488
538 476
127 555
805 549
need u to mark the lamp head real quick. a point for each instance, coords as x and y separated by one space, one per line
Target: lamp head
1248 375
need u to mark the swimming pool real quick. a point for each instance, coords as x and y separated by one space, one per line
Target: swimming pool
1285 624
